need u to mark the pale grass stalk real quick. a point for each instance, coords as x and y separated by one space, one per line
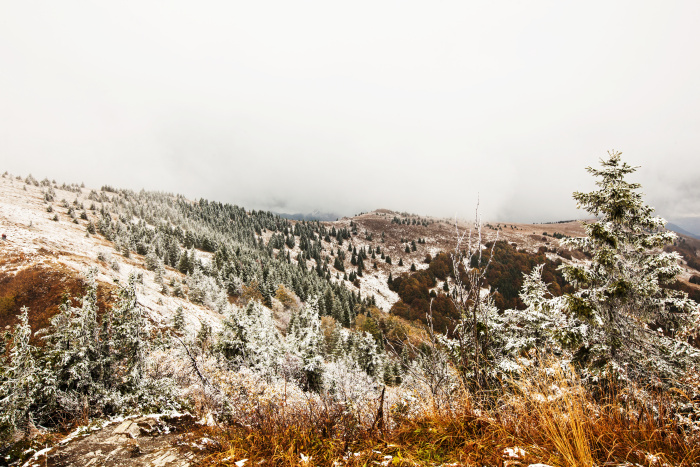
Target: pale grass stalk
553 401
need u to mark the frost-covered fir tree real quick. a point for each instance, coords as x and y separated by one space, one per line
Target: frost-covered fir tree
207 290
19 380
249 337
87 366
76 358
542 327
92 366
305 342
128 335
632 321
179 319
151 261
367 354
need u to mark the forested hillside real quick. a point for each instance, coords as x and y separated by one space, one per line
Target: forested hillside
383 338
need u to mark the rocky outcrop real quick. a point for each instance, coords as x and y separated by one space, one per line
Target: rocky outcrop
149 441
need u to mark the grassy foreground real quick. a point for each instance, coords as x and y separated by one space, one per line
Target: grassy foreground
546 416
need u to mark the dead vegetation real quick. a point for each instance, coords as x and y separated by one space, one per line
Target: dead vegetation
41 289
543 416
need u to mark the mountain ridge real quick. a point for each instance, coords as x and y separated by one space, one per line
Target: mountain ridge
678 229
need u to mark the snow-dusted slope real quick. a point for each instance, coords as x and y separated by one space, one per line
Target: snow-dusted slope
34 239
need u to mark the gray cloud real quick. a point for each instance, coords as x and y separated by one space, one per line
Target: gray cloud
346 108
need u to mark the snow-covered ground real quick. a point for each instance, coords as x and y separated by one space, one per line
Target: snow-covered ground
376 284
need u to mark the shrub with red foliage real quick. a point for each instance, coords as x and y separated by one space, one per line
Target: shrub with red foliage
441 266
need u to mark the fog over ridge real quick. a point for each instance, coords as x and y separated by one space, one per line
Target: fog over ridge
408 106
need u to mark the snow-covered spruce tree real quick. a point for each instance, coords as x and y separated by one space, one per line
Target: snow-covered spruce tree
305 343
179 320
73 361
367 354
206 290
542 326
19 380
633 323
128 336
87 366
249 337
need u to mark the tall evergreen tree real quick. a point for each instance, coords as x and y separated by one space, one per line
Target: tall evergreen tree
19 381
179 319
249 337
305 340
632 319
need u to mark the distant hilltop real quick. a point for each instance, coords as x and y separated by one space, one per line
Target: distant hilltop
681 230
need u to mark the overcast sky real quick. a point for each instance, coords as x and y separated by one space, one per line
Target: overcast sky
351 106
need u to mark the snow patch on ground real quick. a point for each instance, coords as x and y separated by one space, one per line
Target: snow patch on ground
377 285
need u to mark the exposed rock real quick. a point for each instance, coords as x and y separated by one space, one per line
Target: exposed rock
145 441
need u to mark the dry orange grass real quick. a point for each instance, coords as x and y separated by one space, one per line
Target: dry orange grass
545 415
548 410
